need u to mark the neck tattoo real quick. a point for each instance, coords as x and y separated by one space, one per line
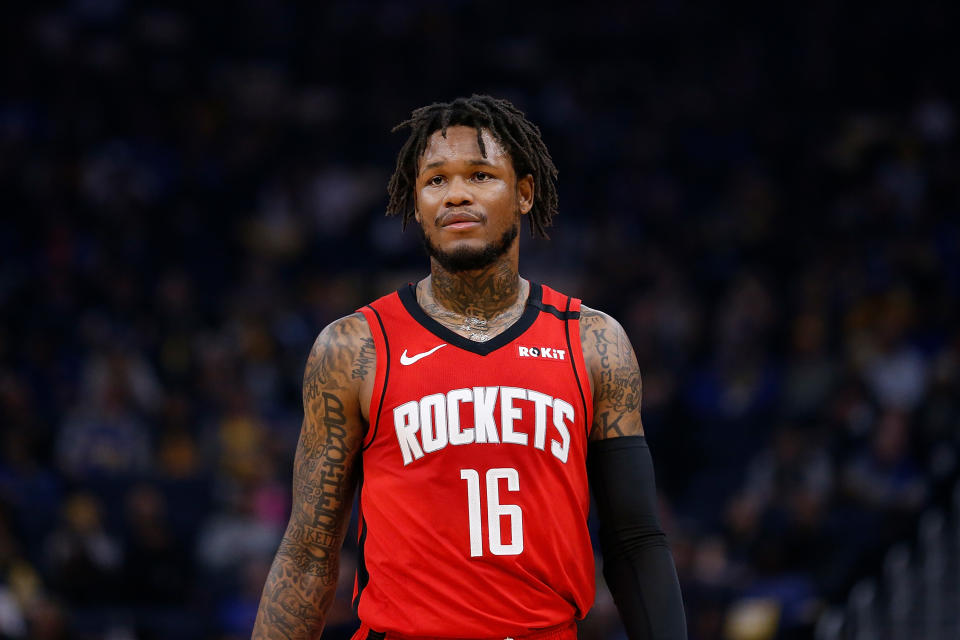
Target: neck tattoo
477 329
470 325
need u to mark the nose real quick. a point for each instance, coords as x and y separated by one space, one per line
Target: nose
458 193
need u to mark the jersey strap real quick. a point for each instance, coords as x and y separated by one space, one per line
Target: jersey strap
382 344
571 317
566 314
567 308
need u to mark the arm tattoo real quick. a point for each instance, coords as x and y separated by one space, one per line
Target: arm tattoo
303 578
364 360
617 388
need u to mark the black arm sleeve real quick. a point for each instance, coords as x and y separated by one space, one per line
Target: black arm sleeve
637 563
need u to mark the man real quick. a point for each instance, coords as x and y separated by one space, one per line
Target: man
469 411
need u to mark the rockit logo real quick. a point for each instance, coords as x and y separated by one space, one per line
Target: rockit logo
546 353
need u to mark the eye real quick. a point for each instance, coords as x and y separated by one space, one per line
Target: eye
435 181
481 176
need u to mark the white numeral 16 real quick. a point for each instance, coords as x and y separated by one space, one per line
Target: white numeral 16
495 511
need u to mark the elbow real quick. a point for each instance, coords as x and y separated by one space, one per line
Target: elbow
631 542
310 561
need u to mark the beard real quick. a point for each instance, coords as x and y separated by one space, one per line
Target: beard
472 259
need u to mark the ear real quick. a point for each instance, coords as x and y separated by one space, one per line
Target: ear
525 193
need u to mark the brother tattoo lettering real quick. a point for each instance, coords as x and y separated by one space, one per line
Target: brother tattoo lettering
302 580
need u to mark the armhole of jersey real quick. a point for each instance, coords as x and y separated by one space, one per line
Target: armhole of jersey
362 576
575 349
382 346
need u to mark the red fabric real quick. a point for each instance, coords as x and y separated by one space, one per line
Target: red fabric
562 632
417 574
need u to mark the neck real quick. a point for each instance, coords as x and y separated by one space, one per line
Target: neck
484 293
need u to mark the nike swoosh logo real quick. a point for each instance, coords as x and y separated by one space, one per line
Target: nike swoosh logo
405 359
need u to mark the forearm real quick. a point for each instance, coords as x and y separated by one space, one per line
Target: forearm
638 564
645 589
294 603
302 581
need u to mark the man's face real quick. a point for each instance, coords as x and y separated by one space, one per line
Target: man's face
468 206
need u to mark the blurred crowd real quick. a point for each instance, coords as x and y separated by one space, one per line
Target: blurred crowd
768 203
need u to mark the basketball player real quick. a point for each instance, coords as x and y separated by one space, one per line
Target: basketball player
473 412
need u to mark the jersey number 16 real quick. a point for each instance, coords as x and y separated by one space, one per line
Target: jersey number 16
495 511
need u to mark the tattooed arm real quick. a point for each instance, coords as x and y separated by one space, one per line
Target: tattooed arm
336 393
637 562
614 376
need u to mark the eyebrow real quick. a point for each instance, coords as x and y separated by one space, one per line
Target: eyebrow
439 163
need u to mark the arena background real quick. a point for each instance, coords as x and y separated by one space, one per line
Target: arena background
767 198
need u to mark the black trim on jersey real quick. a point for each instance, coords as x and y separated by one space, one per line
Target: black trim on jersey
552 310
573 361
376 635
408 296
363 576
386 377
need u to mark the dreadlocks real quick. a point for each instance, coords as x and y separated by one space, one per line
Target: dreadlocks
519 137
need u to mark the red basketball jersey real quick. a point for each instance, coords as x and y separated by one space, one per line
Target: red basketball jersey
474 496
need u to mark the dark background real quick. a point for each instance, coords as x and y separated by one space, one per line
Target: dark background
766 197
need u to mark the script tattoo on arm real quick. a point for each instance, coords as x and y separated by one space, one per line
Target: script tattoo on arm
303 578
364 360
614 376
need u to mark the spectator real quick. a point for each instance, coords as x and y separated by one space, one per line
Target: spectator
793 464
885 478
104 439
156 566
84 559
232 536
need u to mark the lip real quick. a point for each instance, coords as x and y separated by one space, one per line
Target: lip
460 219
461 225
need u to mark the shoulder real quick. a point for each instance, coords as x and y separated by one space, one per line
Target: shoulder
607 351
345 332
342 352
594 317
614 375
598 331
